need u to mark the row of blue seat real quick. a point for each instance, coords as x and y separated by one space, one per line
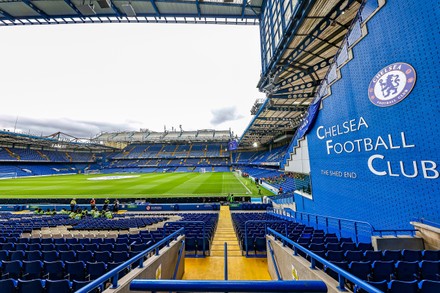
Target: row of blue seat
41 285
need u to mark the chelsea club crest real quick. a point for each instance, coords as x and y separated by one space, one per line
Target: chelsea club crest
392 84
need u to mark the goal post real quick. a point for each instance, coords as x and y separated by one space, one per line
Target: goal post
91 172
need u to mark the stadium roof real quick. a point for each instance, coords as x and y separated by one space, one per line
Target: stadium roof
57 140
293 75
27 12
204 135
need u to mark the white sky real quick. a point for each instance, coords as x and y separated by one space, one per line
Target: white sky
82 79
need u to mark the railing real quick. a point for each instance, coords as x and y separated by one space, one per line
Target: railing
179 257
427 222
114 274
361 231
226 260
272 254
410 232
342 275
184 223
265 228
228 286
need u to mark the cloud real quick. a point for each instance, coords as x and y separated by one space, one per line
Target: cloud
225 114
80 129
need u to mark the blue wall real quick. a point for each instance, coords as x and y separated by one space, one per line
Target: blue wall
401 31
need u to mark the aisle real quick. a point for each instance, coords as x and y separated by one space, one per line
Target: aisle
212 267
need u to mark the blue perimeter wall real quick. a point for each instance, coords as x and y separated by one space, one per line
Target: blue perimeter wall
343 185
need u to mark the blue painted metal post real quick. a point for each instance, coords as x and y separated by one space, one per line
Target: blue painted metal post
226 260
356 232
228 286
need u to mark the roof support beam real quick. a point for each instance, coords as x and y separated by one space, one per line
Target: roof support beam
115 10
243 7
156 9
7 15
198 8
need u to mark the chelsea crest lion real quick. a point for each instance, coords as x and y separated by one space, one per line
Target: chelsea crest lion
392 84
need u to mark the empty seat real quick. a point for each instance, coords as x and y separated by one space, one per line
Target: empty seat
427 286
50 255
335 256
411 255
382 270
396 286
75 270
17 255
84 256
8 286
393 255
11 269
407 271
104 256
54 270
348 246
120 256
430 270
364 246
34 286
32 269
33 255
58 286
371 255
353 255
69 255
360 269
96 269
433 255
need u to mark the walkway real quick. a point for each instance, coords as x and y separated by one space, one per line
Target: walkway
212 267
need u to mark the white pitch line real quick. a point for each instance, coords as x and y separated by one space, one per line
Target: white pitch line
249 192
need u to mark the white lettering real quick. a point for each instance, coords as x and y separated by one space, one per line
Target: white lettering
416 171
433 167
370 165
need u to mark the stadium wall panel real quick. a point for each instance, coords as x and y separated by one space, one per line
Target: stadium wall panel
368 184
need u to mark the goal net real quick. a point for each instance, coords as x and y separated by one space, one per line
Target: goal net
91 172
8 175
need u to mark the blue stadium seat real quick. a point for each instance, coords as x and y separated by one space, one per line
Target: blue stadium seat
68 255
353 255
407 271
58 286
393 255
371 255
360 269
17 255
411 255
96 269
104 256
50 255
427 286
433 255
34 286
396 286
33 255
84 256
8 286
4 255
335 255
124 247
11 269
364 246
75 270
120 256
32 269
348 246
429 270
382 270
54 270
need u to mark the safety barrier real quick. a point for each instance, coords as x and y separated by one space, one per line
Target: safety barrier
342 275
114 274
228 286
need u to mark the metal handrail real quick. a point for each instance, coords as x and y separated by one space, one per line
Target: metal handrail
179 257
113 274
189 222
272 254
339 221
265 222
226 261
228 286
314 257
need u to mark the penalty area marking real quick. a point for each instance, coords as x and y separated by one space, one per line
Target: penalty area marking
113 177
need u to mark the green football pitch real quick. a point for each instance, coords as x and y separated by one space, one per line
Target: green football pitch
130 185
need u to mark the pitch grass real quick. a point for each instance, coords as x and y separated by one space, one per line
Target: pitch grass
146 185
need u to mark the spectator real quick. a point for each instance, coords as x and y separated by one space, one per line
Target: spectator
116 206
92 204
72 204
106 203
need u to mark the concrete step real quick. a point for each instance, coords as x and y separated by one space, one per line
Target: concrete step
231 246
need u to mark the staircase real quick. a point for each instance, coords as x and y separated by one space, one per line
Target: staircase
43 156
212 267
12 154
